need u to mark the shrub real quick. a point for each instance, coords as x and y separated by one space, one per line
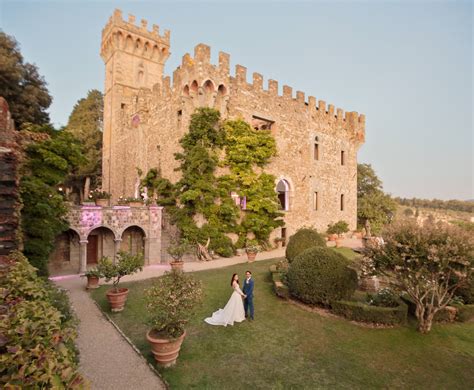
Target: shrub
383 298
320 276
466 291
359 311
222 245
465 313
303 239
171 301
37 328
429 263
338 228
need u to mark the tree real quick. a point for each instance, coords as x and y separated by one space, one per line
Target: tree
85 123
374 207
21 85
428 263
49 159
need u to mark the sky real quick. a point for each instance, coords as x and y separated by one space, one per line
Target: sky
406 65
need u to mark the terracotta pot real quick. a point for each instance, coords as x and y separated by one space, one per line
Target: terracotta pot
338 242
165 351
333 237
102 202
92 282
251 256
136 204
177 265
117 299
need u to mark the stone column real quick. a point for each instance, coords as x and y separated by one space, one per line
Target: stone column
117 242
83 256
146 250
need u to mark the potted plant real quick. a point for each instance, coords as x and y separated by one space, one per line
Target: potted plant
134 202
336 232
100 197
252 248
170 304
127 264
177 250
93 275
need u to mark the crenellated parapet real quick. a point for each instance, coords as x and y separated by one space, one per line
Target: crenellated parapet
119 34
196 74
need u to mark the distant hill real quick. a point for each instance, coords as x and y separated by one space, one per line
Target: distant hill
466 206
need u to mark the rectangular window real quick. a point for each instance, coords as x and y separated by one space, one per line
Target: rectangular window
315 201
342 202
343 158
283 236
316 151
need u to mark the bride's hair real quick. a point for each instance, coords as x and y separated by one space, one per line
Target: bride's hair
232 280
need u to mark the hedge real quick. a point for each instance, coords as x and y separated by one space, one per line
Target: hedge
465 313
280 288
303 239
443 315
358 311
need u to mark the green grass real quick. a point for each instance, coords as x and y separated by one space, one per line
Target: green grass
287 347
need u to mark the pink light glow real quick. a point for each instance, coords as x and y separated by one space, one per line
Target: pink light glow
64 277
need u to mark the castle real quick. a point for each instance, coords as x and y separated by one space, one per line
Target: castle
146 113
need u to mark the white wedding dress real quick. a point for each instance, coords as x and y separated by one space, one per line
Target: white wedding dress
232 312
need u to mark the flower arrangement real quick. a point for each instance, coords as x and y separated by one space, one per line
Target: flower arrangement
99 194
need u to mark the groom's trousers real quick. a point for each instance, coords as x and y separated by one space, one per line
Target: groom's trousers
248 307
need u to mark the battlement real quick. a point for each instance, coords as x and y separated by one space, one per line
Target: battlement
202 54
127 36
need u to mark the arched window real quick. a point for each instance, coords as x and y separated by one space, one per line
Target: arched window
283 189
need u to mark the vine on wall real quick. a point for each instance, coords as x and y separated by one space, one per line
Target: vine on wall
200 203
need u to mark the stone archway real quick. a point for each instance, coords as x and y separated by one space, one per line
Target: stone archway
133 240
100 243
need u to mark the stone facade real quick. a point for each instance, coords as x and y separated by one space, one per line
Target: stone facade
146 114
9 179
97 231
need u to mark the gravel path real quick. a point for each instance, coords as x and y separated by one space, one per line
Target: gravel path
106 359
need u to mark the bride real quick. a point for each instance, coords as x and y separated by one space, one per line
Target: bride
233 310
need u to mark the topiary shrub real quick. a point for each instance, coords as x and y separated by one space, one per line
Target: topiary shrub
321 276
303 239
359 311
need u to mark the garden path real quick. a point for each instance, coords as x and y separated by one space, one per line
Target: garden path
106 359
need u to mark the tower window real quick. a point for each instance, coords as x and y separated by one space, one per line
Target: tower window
342 202
315 201
343 158
316 151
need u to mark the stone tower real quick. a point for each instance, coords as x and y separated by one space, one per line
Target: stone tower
134 58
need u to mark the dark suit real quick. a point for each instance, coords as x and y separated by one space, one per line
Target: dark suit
248 301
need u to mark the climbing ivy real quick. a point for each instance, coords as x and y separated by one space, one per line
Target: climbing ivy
200 202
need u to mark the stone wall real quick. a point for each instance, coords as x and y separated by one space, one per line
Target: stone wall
147 123
9 181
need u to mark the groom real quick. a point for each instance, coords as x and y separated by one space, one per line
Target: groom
248 291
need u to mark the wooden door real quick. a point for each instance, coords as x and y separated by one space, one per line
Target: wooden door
92 249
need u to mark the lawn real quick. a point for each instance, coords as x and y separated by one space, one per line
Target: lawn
288 347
